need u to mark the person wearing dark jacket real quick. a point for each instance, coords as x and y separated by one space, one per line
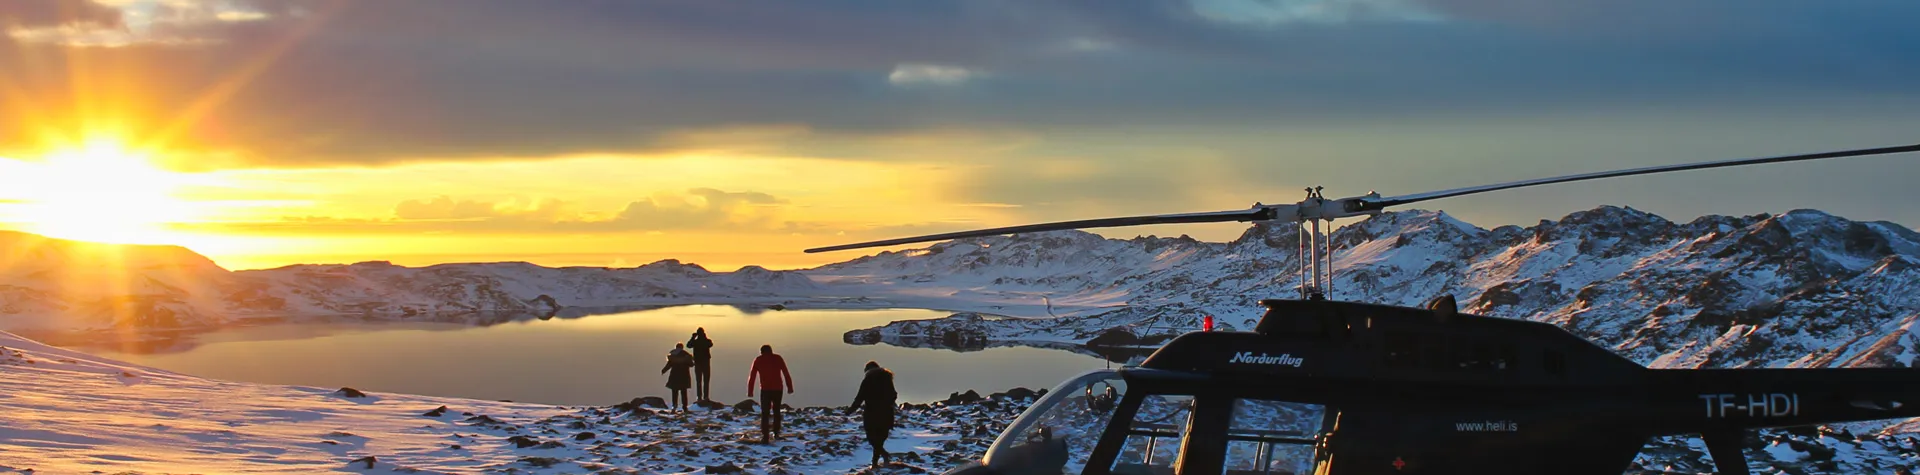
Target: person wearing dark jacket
877 396
702 363
679 362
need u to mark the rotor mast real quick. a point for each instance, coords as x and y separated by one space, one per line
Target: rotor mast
1315 248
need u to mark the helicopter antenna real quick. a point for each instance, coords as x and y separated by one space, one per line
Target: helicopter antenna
1311 212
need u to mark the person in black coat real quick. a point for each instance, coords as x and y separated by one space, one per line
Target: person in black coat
702 363
680 363
877 396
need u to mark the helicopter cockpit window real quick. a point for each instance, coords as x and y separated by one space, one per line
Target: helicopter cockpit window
1076 413
1155 435
1273 437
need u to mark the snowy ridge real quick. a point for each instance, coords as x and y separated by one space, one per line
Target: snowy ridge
52 284
1799 289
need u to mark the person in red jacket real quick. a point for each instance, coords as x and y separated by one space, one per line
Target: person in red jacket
770 370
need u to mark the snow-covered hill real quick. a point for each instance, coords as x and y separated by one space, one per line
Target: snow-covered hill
1799 289
1802 288
53 284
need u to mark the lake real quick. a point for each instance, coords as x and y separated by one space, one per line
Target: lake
600 359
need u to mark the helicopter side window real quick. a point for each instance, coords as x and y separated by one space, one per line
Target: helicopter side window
1155 435
1273 437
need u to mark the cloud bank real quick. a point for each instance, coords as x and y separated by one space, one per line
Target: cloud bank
306 82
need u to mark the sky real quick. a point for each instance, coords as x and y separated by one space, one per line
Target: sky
727 133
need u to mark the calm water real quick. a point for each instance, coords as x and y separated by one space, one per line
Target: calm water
602 359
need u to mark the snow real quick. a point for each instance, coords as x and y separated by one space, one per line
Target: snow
67 412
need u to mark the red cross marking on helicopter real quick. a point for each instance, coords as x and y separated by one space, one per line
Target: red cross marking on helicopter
1399 464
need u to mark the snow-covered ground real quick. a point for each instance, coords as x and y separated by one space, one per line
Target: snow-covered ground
64 412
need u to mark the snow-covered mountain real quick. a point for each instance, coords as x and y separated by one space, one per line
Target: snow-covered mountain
48 284
1800 289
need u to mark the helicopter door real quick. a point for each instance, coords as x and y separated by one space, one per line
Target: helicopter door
1269 437
1154 437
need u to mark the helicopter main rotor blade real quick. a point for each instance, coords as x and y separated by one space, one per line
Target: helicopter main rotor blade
1257 213
1378 203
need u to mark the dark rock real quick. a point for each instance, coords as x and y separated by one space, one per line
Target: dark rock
542 462
710 405
968 397
1116 337
653 401
583 436
861 337
522 441
369 460
746 407
436 412
350 393
636 406
728 467
483 419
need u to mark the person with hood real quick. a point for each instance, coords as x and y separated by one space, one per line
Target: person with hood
679 362
702 363
877 396
769 369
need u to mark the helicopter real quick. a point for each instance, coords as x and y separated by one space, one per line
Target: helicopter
1351 388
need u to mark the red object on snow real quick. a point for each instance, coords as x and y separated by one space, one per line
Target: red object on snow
1209 323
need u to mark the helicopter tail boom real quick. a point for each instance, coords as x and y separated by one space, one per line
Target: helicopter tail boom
1707 401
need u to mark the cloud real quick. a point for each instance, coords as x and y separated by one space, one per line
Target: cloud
694 210
912 74
444 208
702 208
324 82
1281 12
53 13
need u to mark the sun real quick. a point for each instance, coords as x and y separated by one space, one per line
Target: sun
100 192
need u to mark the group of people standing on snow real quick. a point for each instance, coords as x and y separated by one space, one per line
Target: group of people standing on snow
685 370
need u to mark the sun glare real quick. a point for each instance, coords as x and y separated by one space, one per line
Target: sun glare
99 192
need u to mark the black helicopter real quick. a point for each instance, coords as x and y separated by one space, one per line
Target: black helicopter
1345 388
